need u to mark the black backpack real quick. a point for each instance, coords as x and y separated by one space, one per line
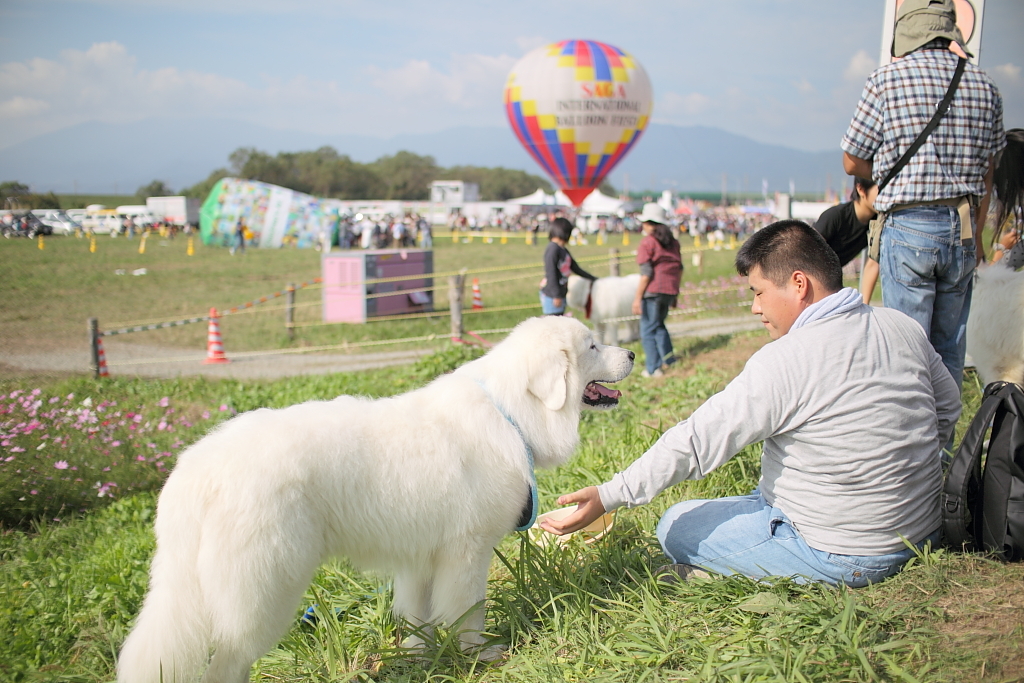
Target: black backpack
984 510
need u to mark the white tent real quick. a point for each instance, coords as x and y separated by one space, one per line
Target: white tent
598 203
541 198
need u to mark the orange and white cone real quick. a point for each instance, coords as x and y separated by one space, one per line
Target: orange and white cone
214 345
101 358
478 300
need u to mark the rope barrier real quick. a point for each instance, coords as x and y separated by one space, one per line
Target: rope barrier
276 352
154 326
263 299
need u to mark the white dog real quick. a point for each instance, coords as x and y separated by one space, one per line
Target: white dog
252 509
610 297
995 328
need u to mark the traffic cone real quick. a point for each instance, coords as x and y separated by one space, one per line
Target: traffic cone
625 238
142 242
214 345
102 357
190 250
42 242
92 244
478 300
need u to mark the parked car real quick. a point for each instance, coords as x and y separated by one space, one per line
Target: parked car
58 220
101 221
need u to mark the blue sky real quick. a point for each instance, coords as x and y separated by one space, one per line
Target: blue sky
785 71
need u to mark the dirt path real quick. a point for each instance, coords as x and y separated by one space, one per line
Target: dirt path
124 358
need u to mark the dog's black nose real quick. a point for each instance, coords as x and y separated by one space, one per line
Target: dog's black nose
632 356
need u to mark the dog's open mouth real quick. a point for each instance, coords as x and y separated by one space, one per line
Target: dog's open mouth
600 396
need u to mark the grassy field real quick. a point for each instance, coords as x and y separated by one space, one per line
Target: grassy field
51 292
70 588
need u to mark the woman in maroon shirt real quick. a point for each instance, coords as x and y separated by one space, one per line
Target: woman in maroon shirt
661 268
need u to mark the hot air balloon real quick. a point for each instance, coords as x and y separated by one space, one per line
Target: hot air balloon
578 106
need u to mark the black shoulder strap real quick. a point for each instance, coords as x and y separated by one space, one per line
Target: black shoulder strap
932 125
967 465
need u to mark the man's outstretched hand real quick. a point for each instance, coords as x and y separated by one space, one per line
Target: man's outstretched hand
588 509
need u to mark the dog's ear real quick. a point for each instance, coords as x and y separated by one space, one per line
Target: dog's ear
548 377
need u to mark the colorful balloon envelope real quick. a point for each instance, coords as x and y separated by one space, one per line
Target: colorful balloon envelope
578 106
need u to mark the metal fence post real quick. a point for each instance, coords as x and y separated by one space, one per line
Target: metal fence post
613 262
455 285
94 328
289 311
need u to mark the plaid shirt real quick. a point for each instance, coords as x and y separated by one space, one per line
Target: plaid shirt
898 101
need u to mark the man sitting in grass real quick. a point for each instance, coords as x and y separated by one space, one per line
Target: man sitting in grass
853 405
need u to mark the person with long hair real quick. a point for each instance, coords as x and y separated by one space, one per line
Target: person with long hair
1008 186
661 268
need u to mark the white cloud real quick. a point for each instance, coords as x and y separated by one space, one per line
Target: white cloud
470 81
1011 72
104 83
671 105
527 43
16 107
803 86
859 68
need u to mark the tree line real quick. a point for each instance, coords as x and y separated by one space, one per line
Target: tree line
326 173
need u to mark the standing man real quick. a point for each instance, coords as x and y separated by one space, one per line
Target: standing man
929 249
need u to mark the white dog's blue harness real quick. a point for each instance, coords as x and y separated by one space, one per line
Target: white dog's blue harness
529 514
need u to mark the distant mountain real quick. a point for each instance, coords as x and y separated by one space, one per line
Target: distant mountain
118 158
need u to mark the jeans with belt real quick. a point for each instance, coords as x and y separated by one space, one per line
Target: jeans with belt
927 273
745 535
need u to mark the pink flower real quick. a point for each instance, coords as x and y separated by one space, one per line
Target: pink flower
34 492
223 407
36 392
164 402
70 396
54 399
17 449
206 415
162 426
115 444
61 464
140 458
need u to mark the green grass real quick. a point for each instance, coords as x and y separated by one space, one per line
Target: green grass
53 291
69 590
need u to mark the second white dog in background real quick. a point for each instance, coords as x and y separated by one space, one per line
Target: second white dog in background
995 328
610 298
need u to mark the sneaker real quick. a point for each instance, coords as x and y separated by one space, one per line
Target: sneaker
676 573
656 373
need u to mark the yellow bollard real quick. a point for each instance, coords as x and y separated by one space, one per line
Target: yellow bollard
600 238
92 244
469 240
190 251
625 238
455 236
529 237
732 242
504 237
42 243
696 241
142 243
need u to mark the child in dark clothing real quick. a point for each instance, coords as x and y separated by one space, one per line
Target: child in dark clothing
558 263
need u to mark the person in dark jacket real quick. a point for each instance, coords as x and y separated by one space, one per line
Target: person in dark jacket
558 263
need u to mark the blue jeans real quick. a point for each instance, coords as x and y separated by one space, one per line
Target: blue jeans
547 305
653 334
927 274
745 535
